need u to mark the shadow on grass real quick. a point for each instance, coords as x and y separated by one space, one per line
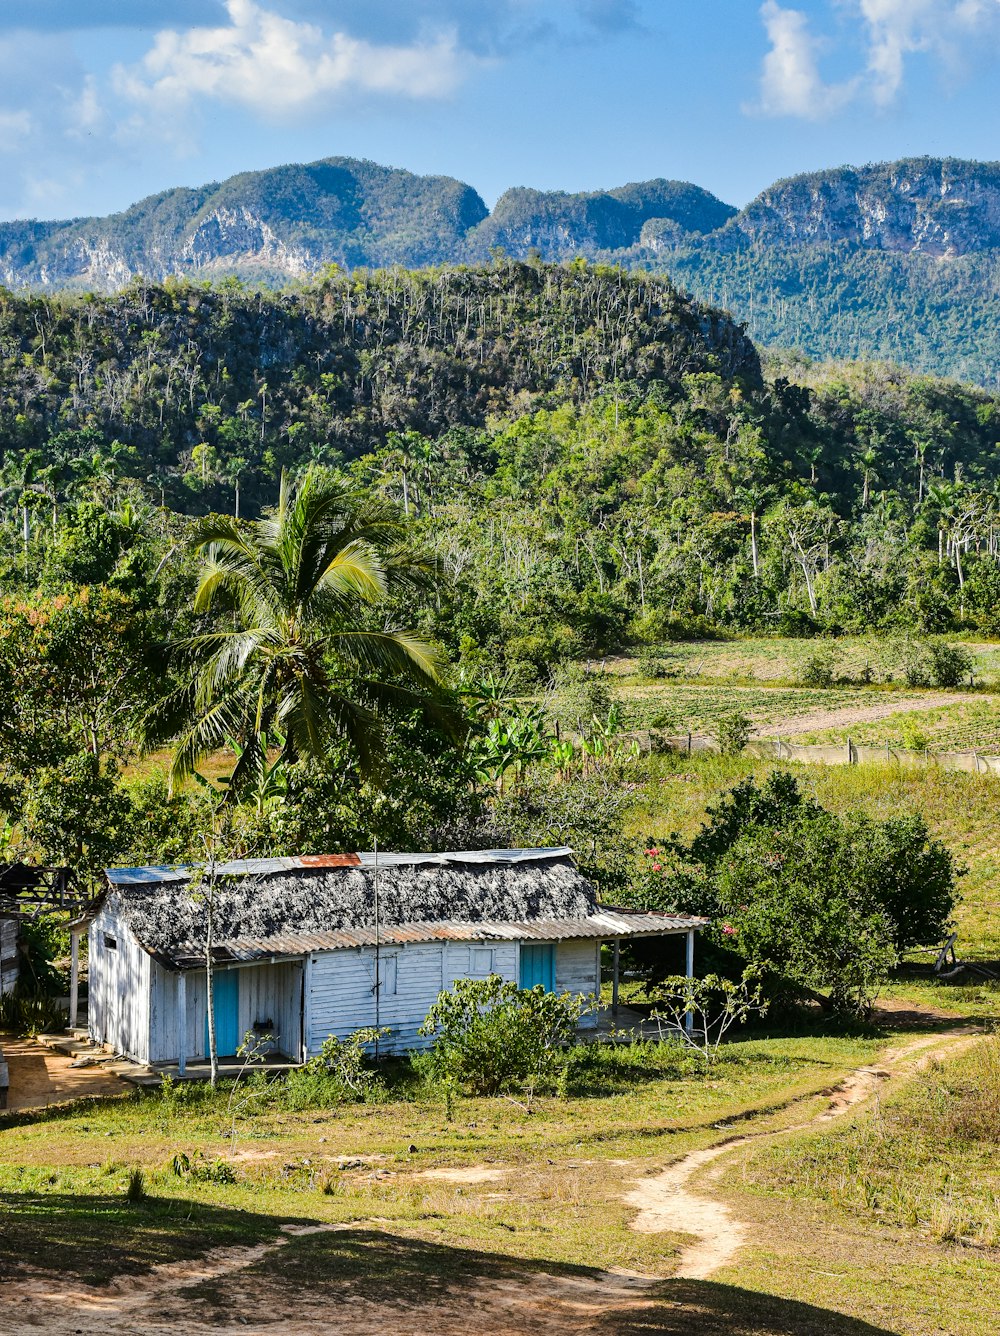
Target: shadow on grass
703 1308
93 1237
494 1292
418 1285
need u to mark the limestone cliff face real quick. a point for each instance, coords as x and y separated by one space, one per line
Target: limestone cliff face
283 223
939 207
290 221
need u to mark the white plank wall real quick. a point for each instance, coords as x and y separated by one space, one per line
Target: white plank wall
118 987
341 983
267 993
576 972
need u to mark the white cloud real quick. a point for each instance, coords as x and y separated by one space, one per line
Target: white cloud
953 33
791 83
15 127
280 67
896 29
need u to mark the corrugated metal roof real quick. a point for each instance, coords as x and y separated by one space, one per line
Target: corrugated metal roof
263 867
605 925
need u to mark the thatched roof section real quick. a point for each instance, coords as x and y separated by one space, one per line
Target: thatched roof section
170 917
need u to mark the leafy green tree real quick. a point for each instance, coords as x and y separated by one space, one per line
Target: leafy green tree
793 900
825 902
296 650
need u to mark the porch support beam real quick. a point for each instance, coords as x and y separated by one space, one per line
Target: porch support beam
614 977
689 972
181 1023
74 979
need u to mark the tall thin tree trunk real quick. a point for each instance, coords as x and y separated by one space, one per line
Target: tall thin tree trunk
753 545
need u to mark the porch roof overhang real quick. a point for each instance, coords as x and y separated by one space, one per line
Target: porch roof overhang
604 925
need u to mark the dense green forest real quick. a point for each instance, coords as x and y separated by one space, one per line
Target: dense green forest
931 314
542 464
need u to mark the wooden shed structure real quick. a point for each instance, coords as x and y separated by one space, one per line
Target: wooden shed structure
305 948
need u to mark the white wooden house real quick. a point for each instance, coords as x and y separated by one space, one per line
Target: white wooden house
308 947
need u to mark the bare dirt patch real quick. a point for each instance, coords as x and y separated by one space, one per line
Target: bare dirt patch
472 1174
813 721
40 1076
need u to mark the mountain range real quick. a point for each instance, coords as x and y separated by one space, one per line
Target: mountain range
895 260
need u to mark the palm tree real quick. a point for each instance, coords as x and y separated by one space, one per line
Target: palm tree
300 658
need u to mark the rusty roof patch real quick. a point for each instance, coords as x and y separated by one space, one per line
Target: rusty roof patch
329 860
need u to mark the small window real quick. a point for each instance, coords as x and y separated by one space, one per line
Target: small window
110 943
387 976
480 960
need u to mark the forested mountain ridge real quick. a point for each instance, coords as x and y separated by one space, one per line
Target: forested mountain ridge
181 375
898 261
277 224
594 457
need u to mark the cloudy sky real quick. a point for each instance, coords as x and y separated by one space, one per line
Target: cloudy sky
103 101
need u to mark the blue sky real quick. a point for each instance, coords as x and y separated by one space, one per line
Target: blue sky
104 101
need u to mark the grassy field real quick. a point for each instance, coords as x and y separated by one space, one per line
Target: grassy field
898 1208
779 660
431 1214
695 683
972 725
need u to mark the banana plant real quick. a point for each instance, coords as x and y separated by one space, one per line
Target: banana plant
266 786
506 744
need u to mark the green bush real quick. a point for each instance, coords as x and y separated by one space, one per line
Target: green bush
732 732
27 1012
818 669
950 665
819 902
654 664
341 1073
491 1036
936 663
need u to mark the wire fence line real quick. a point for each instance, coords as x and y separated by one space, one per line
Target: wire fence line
843 753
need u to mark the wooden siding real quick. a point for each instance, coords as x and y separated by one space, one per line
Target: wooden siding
118 987
9 954
340 986
267 993
578 971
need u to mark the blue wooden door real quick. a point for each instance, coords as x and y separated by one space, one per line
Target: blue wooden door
226 999
538 966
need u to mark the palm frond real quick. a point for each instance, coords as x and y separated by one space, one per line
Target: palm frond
389 652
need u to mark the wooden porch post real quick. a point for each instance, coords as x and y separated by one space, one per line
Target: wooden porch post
181 1023
614 979
74 979
689 971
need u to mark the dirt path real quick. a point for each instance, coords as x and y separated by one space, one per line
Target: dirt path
667 1203
40 1076
812 721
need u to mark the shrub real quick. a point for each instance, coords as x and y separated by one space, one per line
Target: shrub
655 665
135 1188
341 1073
733 732
818 670
714 1005
916 666
491 1036
950 665
30 1013
822 902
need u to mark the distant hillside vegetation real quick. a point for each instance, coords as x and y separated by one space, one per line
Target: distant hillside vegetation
179 372
894 260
